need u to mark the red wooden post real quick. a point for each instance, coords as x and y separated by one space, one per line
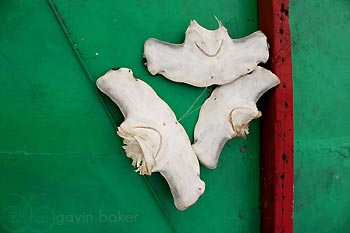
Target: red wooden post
277 132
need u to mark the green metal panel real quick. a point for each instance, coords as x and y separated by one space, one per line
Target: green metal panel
59 158
62 166
321 55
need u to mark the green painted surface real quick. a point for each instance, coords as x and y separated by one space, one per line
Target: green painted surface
321 56
61 163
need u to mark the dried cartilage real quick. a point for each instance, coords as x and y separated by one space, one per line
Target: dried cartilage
206 57
153 138
227 112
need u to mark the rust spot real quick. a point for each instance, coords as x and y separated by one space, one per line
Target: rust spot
284 157
282 7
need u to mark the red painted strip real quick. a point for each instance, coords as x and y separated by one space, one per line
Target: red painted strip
277 132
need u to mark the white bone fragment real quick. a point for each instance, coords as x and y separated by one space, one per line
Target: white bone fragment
206 57
227 112
153 138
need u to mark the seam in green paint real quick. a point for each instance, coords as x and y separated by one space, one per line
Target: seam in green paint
91 81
